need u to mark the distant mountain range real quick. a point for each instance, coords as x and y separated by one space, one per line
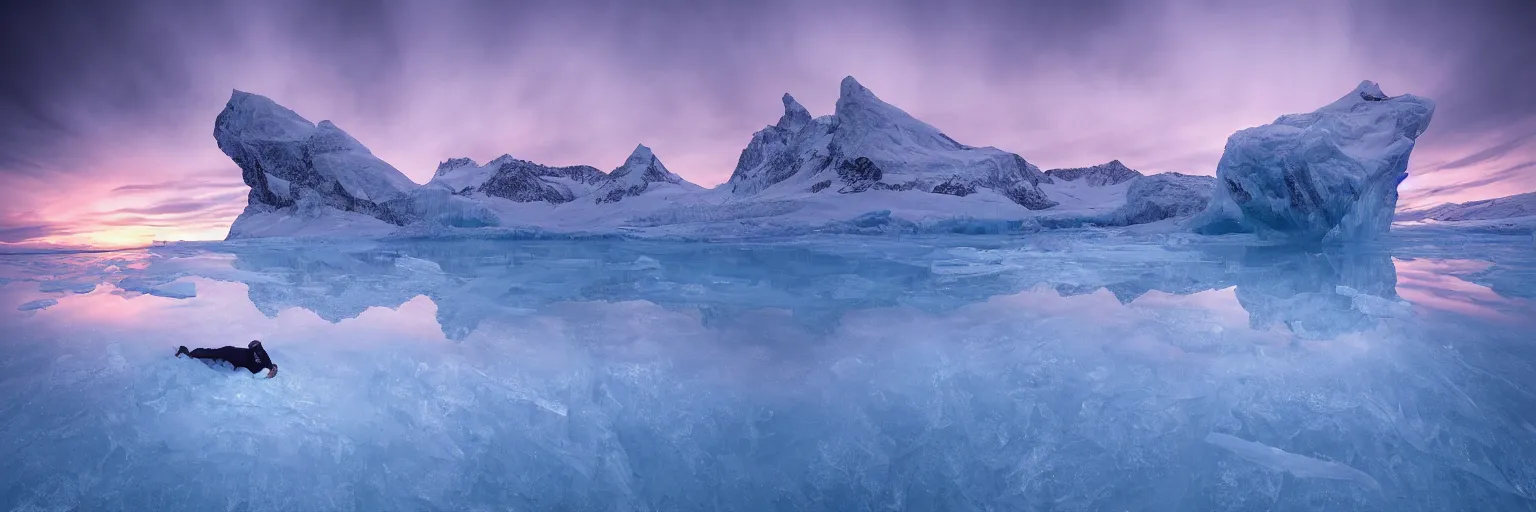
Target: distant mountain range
868 167
1509 207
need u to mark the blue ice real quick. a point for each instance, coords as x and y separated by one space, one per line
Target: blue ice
1066 370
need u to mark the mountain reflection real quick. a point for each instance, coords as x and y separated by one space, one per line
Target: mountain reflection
474 280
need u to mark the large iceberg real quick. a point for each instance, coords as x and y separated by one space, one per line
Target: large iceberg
300 172
1330 175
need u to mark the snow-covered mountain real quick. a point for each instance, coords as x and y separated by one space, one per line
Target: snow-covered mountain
641 172
1112 173
517 180
869 166
870 145
312 179
1508 207
1327 175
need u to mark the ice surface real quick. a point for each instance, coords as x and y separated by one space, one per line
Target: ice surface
152 286
66 286
37 304
1062 370
1281 460
641 172
1330 175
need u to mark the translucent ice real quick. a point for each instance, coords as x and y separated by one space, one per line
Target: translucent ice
1281 460
1070 371
38 304
1330 175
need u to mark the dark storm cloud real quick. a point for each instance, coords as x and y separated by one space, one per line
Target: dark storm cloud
103 103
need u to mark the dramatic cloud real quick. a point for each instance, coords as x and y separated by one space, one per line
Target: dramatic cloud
181 186
110 107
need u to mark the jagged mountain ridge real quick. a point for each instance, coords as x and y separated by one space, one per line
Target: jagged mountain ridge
1112 173
868 144
866 162
1507 207
316 180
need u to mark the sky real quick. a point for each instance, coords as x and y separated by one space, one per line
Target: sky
107 109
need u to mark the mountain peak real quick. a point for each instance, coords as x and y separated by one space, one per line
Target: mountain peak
855 99
1367 91
1370 91
1110 173
795 115
249 115
639 159
505 158
852 87
454 163
641 152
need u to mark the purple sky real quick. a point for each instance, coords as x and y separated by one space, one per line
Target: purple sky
108 110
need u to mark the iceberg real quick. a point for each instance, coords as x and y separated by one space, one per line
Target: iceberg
1330 175
298 168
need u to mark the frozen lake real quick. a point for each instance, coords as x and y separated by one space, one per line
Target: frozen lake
1066 371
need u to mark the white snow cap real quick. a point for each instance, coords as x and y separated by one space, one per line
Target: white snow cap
452 164
638 158
253 116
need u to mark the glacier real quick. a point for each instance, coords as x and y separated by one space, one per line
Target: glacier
1074 369
1330 175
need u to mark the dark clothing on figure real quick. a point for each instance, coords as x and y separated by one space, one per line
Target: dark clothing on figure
254 359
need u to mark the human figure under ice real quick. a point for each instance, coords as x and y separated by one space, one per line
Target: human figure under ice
253 357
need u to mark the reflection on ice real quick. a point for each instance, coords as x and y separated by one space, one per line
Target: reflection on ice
1316 296
811 374
1440 285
